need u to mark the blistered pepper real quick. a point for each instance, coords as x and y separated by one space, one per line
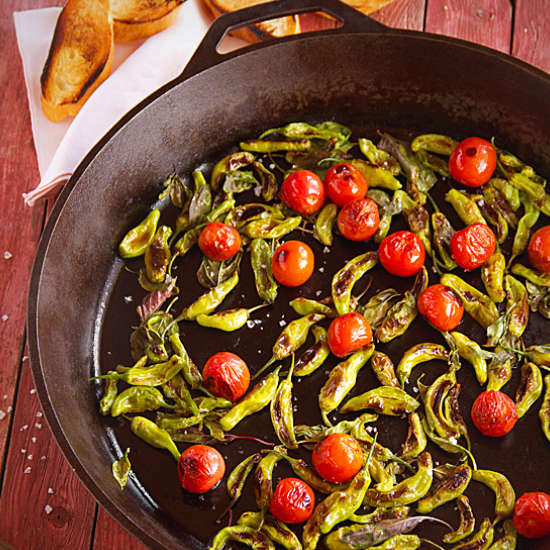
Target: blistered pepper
544 412
174 423
448 488
435 143
228 320
268 181
508 541
442 233
306 306
270 228
337 540
417 218
138 399
504 492
282 415
378 157
499 369
158 256
260 258
341 380
376 309
530 388
384 400
324 224
272 146
345 279
492 275
416 355
190 371
238 476
316 355
416 441
230 162
244 534
473 353
109 394
137 240
263 480
517 306
465 207
492 217
481 540
274 529
377 176
384 370
152 434
467 522
523 232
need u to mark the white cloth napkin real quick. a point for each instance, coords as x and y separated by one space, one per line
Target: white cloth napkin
139 68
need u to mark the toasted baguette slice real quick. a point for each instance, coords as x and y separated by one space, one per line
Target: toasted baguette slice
283 26
80 57
136 19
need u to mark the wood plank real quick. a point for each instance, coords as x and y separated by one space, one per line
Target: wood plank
485 22
43 505
531 38
109 534
402 14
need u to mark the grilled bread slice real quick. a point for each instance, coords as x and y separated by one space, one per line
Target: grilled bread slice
136 19
80 57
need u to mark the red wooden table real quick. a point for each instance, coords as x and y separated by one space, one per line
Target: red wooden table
42 503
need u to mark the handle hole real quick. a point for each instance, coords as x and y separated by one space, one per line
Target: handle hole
275 28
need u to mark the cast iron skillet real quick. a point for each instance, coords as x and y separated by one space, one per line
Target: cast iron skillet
362 74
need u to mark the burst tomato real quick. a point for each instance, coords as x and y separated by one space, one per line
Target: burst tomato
532 515
473 162
303 191
441 306
293 501
219 241
200 468
359 219
337 458
539 249
494 413
348 333
293 263
344 183
473 245
402 253
226 375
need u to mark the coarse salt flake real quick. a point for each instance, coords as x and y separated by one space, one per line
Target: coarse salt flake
128 299
30 457
23 451
2 415
4 397
9 409
33 439
7 255
38 426
48 509
321 270
257 321
23 428
282 322
250 323
326 250
33 391
5 318
38 414
27 470
50 491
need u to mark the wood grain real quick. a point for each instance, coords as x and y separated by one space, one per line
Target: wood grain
402 14
109 535
531 39
485 22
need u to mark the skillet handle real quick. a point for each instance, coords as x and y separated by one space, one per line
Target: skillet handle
206 55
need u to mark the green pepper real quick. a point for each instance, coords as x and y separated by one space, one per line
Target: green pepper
238 476
509 192
384 479
261 257
263 480
121 469
416 441
138 239
416 355
492 275
448 488
189 239
407 491
345 279
109 394
324 223
350 538
467 521
492 217
239 216
377 176
530 388
442 233
316 355
152 434
210 300
481 540
270 228
157 255
535 277
504 492
268 181
435 143
465 207
517 306
379 157
243 534
384 400
228 320
274 529
508 541
386 209
259 397
341 380
231 162
380 514
498 202
306 306
282 416
376 309
499 369
336 507
175 423
272 146
323 131
473 353
476 304
138 399
523 231
417 218
532 189
544 412
433 162
384 370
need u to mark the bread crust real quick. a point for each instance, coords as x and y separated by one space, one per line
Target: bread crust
80 57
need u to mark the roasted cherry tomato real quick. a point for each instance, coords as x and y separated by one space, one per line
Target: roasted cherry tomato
473 162
303 191
344 183
402 253
200 468
219 241
293 263
494 413
359 219
226 375
348 333
441 306
539 249
337 458
532 515
293 501
473 245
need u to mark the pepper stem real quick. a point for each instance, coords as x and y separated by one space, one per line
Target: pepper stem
266 366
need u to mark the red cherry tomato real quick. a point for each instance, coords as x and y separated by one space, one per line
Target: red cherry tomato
358 220
473 245
494 413
539 249
402 253
348 333
293 263
219 241
337 458
441 306
226 375
293 501
473 162
303 191
200 468
532 515
344 183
